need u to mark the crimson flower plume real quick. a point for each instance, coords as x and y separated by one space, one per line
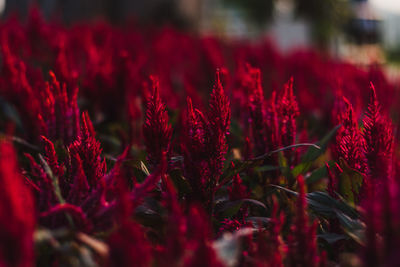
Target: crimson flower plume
156 130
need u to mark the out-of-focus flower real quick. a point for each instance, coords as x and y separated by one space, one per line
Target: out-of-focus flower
17 213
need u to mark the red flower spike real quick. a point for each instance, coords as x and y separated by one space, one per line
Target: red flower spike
219 121
378 141
87 126
156 130
220 113
205 145
288 111
257 112
89 151
16 213
349 142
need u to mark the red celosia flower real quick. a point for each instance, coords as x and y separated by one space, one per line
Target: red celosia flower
156 130
205 145
378 140
349 141
59 111
89 151
257 112
288 111
219 118
16 213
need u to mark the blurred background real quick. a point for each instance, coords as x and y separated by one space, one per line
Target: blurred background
361 31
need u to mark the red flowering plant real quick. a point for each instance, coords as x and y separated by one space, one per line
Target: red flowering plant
151 175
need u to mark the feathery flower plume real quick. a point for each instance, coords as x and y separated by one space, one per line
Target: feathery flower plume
288 111
89 151
58 113
349 142
195 157
257 112
378 140
205 145
219 118
156 130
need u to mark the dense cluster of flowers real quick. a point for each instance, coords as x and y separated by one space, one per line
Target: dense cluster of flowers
111 156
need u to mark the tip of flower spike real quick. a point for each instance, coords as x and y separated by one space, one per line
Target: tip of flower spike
373 92
218 84
190 107
46 140
52 76
87 125
155 83
288 88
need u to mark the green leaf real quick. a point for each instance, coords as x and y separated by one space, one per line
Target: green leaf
313 153
11 113
257 220
230 208
332 237
350 182
354 228
318 174
254 162
323 204
255 202
266 168
180 182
